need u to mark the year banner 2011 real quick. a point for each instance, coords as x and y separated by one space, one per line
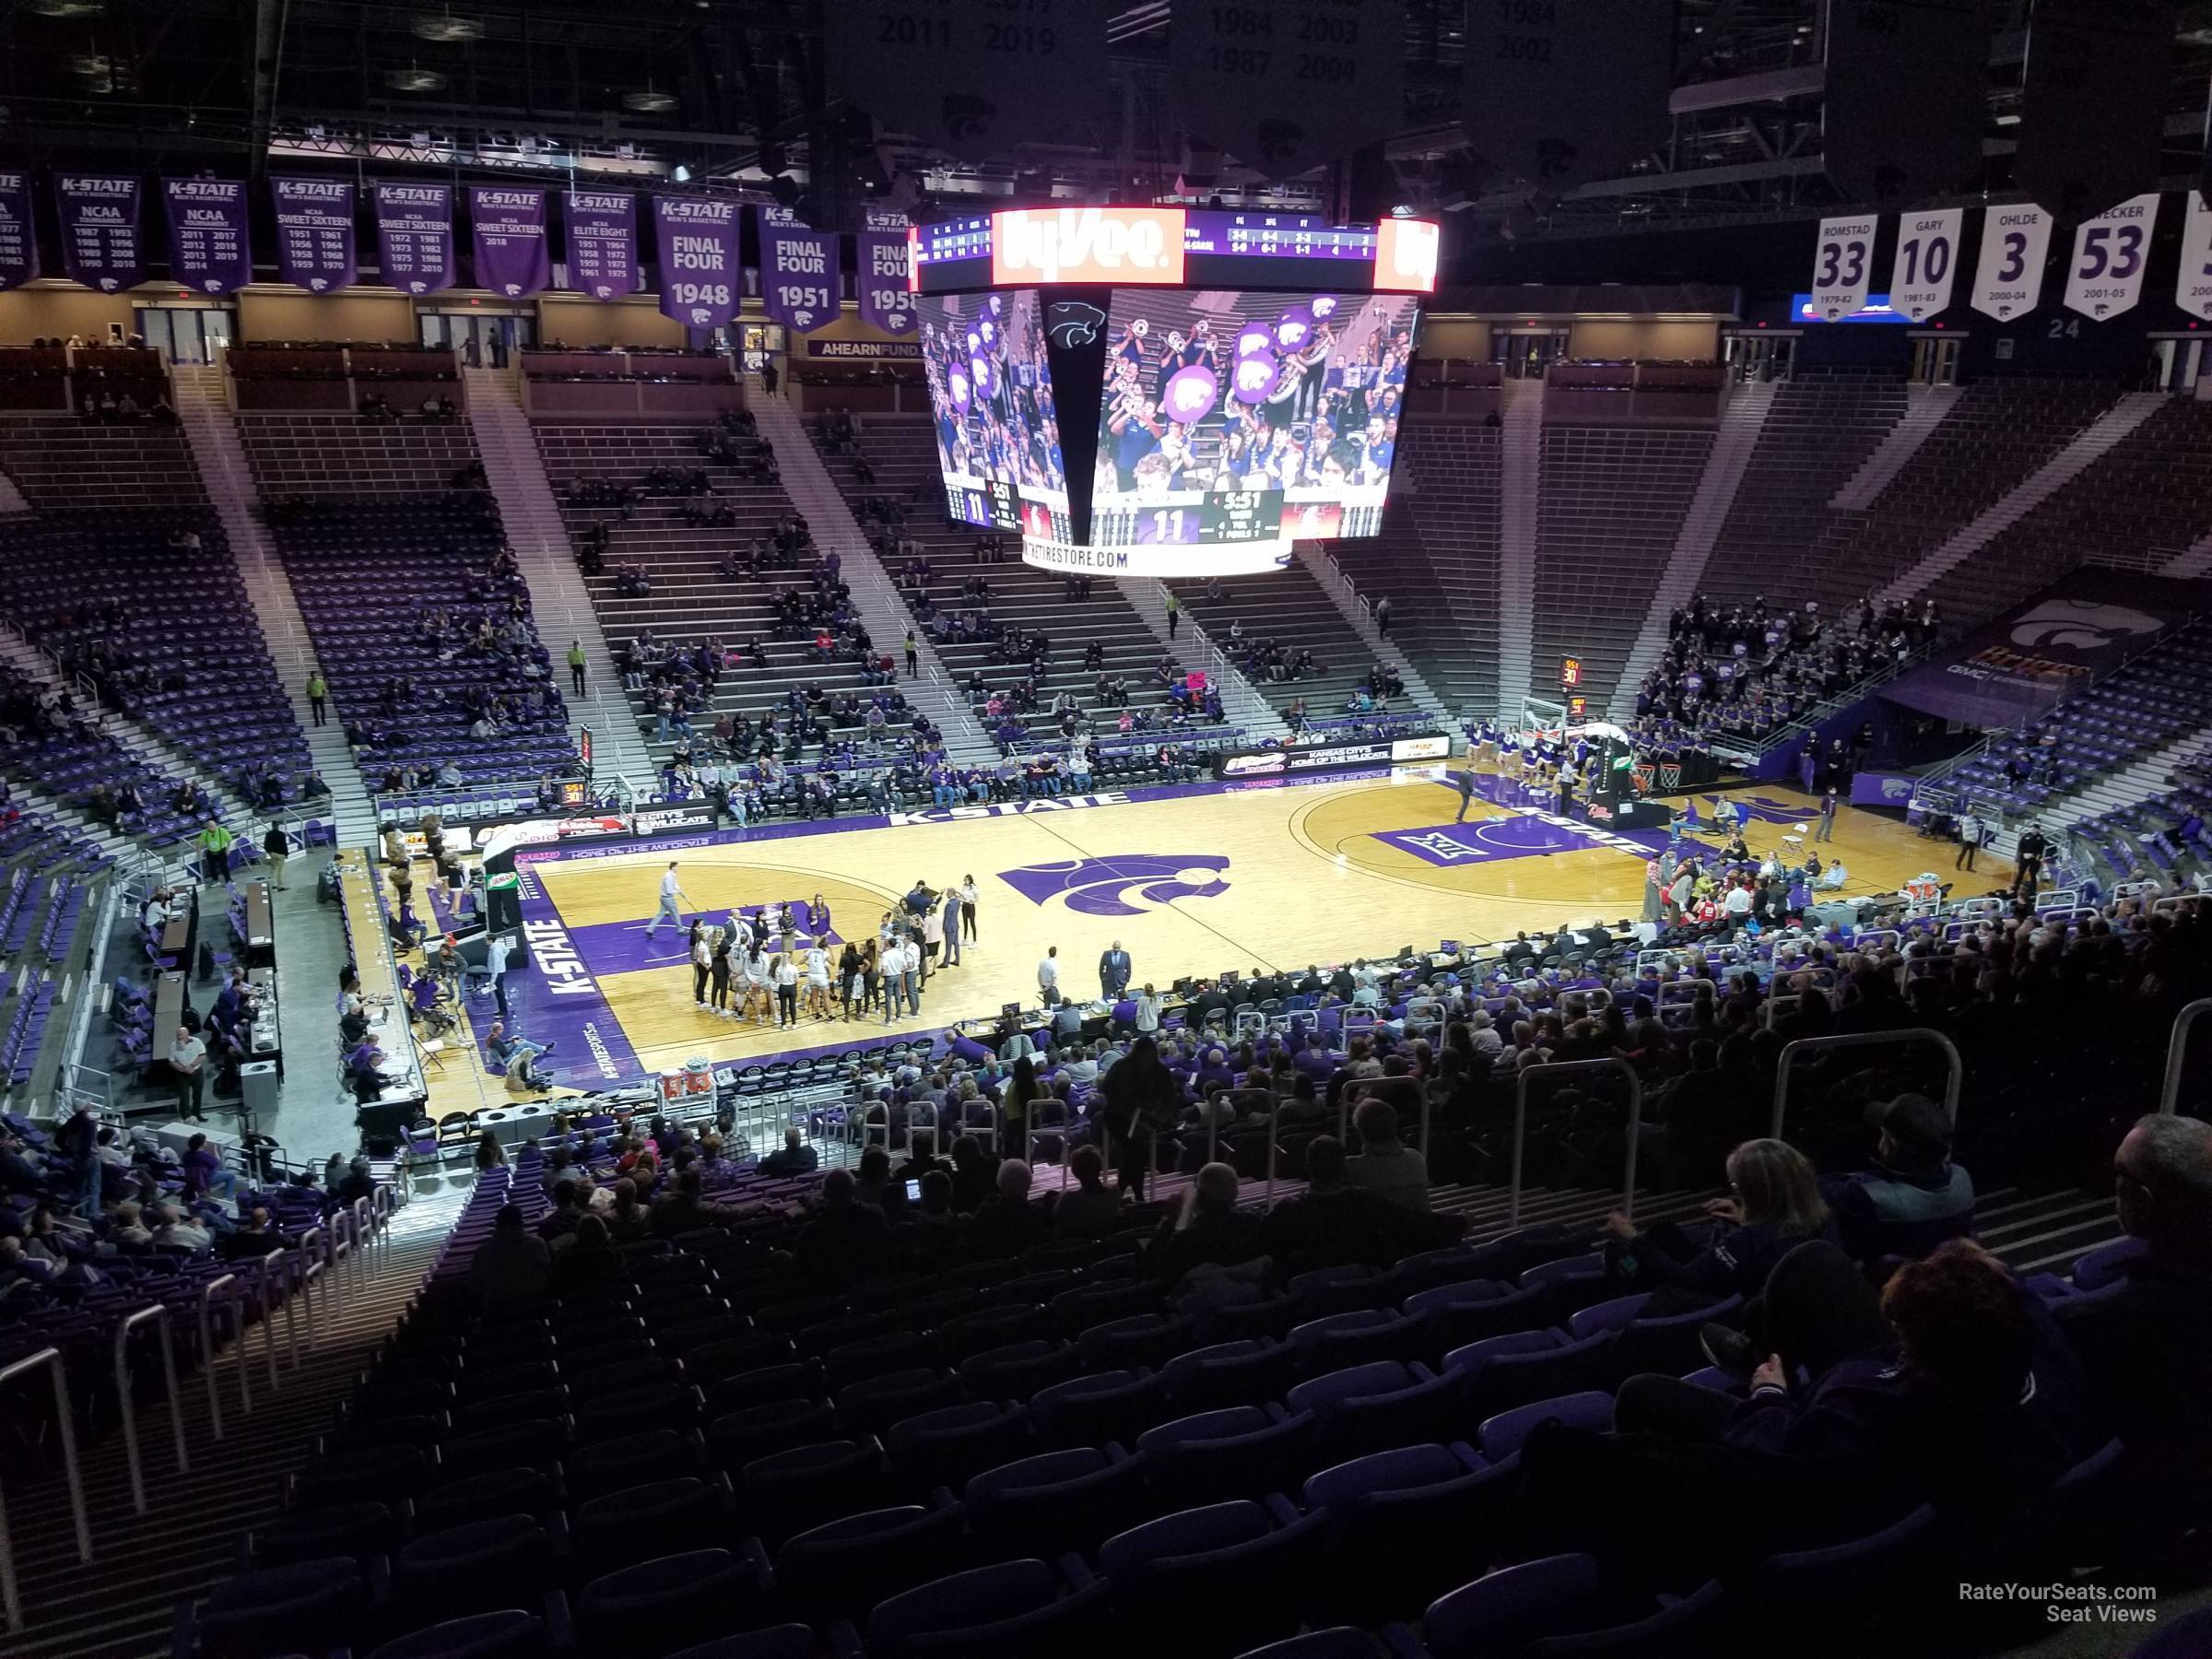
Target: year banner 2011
974 78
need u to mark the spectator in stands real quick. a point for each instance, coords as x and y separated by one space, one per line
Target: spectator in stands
1775 1205
2147 1342
846 1240
1914 1198
1336 1222
797 1157
568 1209
1209 1228
1006 1223
512 1264
177 1231
188 1064
1090 1209
1386 1165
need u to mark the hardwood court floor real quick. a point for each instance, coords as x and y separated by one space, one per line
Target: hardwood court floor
1268 877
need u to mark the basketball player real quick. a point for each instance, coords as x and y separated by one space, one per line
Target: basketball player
817 978
760 995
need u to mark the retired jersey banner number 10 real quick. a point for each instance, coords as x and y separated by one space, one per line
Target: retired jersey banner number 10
1926 262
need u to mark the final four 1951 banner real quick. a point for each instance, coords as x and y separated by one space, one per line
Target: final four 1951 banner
509 223
19 248
315 247
100 246
414 235
879 275
700 280
208 250
799 281
602 241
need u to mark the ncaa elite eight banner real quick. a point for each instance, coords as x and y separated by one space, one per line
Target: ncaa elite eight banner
207 247
697 243
314 232
602 241
798 277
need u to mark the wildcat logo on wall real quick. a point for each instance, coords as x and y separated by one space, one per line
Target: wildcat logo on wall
2080 625
1104 887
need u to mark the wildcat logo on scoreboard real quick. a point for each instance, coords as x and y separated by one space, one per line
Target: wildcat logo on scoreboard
1105 887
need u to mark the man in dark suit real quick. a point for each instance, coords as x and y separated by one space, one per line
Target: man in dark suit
1113 972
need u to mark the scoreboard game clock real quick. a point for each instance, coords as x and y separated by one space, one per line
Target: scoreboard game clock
1178 392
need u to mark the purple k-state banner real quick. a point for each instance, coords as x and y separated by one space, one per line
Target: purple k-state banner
208 248
880 277
101 245
602 241
315 247
799 281
509 225
700 278
415 234
18 246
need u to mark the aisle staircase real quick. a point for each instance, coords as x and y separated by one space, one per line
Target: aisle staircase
12 504
558 602
212 433
1343 593
1925 409
2130 787
1193 648
1741 424
2190 564
1520 492
2100 439
819 501
123 1605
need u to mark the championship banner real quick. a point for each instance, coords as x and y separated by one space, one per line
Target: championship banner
894 219
414 235
208 247
2045 651
697 240
880 275
2111 253
2094 102
1926 261
2016 244
18 245
1843 266
972 78
315 247
100 246
1901 114
2192 293
1287 87
602 241
798 277
508 222
1567 92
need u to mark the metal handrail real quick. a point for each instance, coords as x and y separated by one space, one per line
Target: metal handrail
66 1426
238 1316
1955 1067
2177 1048
1609 1063
154 1310
270 1293
313 1286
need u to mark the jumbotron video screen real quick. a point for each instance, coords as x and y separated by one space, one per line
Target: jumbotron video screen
1248 416
990 401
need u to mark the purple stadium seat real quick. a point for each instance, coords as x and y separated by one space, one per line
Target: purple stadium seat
1501 1436
508 1634
1215 1576
842 1567
1057 1501
1509 1610
1014 1608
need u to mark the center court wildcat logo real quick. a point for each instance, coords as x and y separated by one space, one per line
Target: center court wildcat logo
1101 887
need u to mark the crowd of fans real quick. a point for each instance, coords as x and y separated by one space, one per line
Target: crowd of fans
1738 674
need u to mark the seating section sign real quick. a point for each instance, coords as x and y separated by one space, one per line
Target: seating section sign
100 244
414 235
315 247
603 242
18 246
700 281
509 225
208 250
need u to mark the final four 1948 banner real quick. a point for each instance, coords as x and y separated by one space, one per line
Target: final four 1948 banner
700 280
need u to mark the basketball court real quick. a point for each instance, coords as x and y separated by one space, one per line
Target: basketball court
1190 881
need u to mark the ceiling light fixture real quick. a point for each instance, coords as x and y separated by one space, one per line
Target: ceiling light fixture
414 79
447 30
